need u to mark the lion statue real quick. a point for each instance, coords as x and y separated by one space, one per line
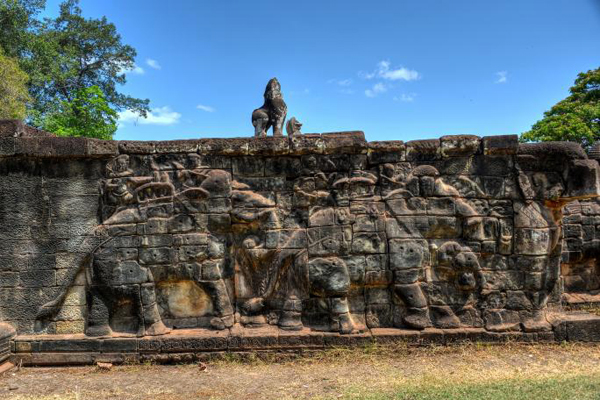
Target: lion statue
272 113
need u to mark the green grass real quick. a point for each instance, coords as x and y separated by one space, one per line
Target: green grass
581 387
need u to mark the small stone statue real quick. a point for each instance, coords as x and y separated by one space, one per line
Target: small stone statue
293 127
272 113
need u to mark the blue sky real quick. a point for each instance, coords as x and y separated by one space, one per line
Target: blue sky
396 69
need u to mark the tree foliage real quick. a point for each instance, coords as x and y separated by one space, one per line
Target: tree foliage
87 115
68 59
13 89
576 118
72 53
17 24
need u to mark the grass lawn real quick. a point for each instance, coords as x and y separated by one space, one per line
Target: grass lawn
577 387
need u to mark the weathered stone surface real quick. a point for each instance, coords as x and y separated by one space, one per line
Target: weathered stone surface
496 145
17 128
392 151
344 142
272 113
308 233
459 145
423 150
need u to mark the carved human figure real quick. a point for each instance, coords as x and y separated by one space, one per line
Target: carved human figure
272 113
406 262
458 281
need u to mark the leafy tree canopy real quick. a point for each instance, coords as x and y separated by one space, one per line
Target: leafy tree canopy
65 57
576 118
13 89
87 115
17 23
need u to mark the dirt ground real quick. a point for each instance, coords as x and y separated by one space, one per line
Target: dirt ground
331 374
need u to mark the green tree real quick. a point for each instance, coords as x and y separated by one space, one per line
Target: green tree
71 53
64 57
574 119
13 89
87 115
17 22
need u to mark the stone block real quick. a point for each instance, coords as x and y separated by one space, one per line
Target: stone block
533 241
156 240
69 346
37 278
190 239
583 328
177 146
269 146
344 142
408 254
378 278
406 227
156 255
287 239
9 279
329 240
34 146
356 269
329 277
584 179
7 146
101 148
459 145
263 184
11 128
392 151
286 166
409 206
306 144
69 146
423 150
136 147
441 206
369 243
500 145
226 147
369 223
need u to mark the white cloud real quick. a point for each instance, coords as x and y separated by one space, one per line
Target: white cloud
206 108
158 116
347 91
366 75
401 73
153 63
384 71
376 89
502 77
341 82
407 98
135 70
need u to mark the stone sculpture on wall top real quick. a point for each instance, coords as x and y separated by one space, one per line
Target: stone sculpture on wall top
272 113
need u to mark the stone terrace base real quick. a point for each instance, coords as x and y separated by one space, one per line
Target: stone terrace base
199 344
7 333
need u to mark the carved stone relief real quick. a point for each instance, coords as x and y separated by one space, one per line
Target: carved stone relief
327 242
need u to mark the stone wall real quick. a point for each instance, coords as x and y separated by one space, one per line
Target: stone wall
581 250
322 232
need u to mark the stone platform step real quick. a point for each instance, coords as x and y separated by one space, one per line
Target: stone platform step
200 344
